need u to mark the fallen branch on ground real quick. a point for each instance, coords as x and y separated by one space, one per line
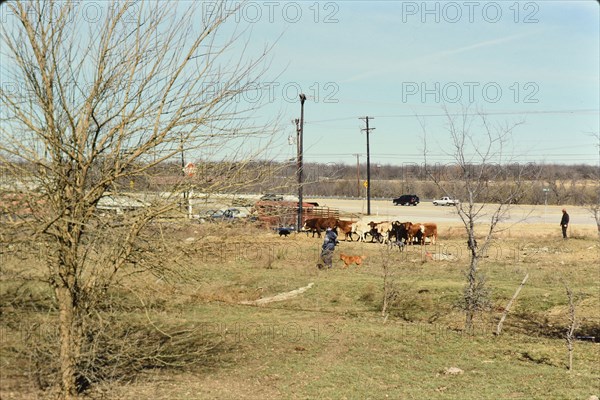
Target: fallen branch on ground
279 297
507 309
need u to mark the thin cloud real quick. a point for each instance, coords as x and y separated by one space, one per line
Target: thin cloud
440 55
486 43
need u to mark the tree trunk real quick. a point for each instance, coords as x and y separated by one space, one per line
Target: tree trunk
471 297
68 343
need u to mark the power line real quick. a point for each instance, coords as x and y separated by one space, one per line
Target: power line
580 111
460 114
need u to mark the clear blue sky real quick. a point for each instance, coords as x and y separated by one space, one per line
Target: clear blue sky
536 62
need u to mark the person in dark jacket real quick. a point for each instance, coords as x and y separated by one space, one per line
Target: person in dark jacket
328 248
564 223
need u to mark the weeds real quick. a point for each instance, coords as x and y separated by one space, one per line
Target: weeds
337 322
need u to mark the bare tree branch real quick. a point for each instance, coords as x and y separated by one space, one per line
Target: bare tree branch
478 149
96 105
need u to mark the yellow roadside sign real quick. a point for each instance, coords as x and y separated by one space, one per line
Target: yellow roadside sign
366 184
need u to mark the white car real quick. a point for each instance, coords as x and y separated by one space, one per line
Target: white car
446 201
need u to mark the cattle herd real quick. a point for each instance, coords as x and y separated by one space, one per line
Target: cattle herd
392 233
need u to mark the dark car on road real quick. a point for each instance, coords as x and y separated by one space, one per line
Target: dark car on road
406 200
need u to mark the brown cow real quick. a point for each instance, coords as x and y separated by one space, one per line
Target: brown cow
345 227
420 231
318 225
429 230
414 232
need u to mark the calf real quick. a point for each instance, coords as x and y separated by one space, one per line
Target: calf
373 231
378 230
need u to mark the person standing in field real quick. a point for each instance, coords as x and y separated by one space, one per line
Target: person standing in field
327 249
564 223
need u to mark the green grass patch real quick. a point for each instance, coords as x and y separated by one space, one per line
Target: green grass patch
331 341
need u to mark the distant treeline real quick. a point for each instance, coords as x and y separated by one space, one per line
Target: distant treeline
565 184
558 184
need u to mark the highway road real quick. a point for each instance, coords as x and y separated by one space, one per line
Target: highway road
385 210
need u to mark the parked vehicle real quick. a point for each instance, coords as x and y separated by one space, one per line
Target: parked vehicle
227 215
119 203
407 200
234 213
271 197
210 215
446 201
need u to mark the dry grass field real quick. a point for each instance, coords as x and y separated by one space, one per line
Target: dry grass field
331 341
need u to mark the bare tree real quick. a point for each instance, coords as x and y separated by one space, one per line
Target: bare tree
593 203
478 150
594 208
89 104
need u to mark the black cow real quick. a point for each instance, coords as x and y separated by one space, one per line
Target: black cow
400 235
399 232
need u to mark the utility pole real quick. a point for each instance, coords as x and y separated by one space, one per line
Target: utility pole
367 129
300 133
